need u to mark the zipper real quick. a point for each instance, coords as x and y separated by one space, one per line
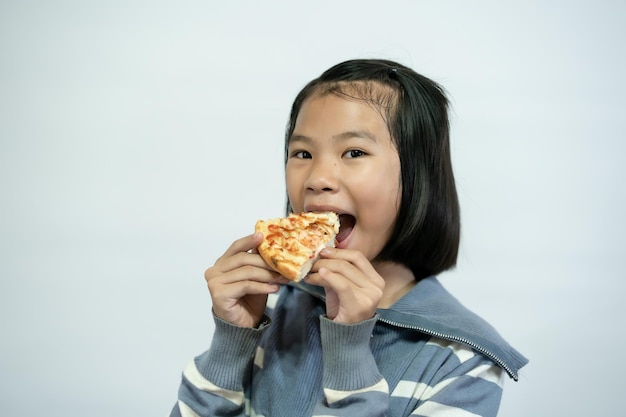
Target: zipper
429 332
451 338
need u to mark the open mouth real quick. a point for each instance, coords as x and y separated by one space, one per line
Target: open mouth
346 225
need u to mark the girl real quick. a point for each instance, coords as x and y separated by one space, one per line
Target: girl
371 332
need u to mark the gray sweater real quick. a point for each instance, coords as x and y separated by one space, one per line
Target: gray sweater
427 355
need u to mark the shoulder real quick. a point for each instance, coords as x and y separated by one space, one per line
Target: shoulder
431 309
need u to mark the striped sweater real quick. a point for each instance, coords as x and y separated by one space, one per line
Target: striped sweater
425 356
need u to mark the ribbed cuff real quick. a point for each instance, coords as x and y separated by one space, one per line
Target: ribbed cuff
348 361
230 355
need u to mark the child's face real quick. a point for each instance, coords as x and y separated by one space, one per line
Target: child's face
341 158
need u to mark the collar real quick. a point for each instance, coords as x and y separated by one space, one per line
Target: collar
430 309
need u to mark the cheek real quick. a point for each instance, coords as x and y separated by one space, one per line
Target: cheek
292 192
380 187
380 198
384 203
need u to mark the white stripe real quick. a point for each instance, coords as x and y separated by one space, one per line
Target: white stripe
422 392
432 408
465 353
271 300
332 396
259 357
185 410
490 373
408 389
197 380
476 373
461 351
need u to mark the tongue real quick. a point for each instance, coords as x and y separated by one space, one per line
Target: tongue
346 225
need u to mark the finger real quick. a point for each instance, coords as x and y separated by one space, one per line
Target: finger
338 281
354 257
246 243
331 270
339 259
345 300
243 273
239 259
241 289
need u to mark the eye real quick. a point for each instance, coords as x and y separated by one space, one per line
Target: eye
301 155
354 153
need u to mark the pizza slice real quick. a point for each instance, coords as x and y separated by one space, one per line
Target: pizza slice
292 244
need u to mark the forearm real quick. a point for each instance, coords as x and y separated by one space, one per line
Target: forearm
352 382
214 382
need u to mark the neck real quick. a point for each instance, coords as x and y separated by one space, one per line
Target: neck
398 281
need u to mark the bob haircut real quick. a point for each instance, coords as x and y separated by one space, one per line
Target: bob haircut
426 232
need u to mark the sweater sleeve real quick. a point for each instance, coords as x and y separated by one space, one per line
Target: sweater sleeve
352 383
213 384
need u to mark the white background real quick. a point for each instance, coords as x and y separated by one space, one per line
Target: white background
140 138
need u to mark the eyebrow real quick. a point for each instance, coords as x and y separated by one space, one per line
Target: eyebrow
364 134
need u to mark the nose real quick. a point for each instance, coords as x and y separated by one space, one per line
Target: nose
323 176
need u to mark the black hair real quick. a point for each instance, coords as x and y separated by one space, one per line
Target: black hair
426 234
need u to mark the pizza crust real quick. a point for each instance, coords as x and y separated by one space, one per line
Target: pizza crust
292 244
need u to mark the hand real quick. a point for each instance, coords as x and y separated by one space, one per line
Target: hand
240 281
353 287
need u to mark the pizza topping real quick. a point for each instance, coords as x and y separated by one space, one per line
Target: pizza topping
291 244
